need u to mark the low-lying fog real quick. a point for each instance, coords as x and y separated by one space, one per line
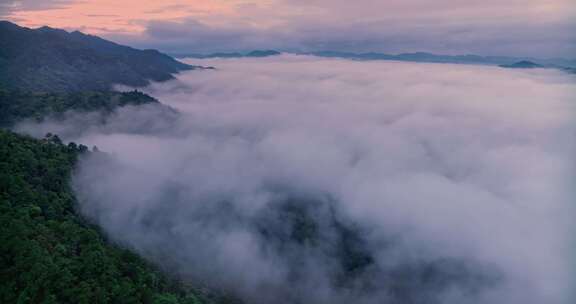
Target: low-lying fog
296 179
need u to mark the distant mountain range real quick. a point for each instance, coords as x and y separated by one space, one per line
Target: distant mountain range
256 53
467 59
48 59
568 65
524 64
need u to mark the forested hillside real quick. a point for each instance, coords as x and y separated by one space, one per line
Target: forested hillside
48 253
48 59
16 105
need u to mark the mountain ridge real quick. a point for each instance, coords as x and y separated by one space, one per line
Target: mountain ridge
49 59
561 63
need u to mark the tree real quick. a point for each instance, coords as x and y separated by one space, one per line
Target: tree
49 254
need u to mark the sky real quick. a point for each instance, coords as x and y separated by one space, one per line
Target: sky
458 171
540 28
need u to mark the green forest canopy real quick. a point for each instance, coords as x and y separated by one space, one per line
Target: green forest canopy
51 255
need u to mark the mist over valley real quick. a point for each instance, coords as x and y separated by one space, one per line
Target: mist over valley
301 179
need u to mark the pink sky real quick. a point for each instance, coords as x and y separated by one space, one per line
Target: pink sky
114 16
131 16
537 26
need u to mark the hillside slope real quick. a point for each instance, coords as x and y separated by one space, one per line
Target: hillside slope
48 253
48 59
16 105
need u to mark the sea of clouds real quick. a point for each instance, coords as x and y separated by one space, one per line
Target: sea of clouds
295 179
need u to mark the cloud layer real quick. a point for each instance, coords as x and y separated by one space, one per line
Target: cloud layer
297 179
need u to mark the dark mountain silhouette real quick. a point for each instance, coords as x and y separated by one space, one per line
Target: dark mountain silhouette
567 65
569 70
524 64
438 58
260 53
48 59
255 53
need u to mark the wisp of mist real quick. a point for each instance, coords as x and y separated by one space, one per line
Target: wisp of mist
296 179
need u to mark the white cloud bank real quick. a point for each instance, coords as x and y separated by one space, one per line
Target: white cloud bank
417 183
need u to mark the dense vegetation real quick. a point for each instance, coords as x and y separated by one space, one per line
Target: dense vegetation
48 59
48 253
16 105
